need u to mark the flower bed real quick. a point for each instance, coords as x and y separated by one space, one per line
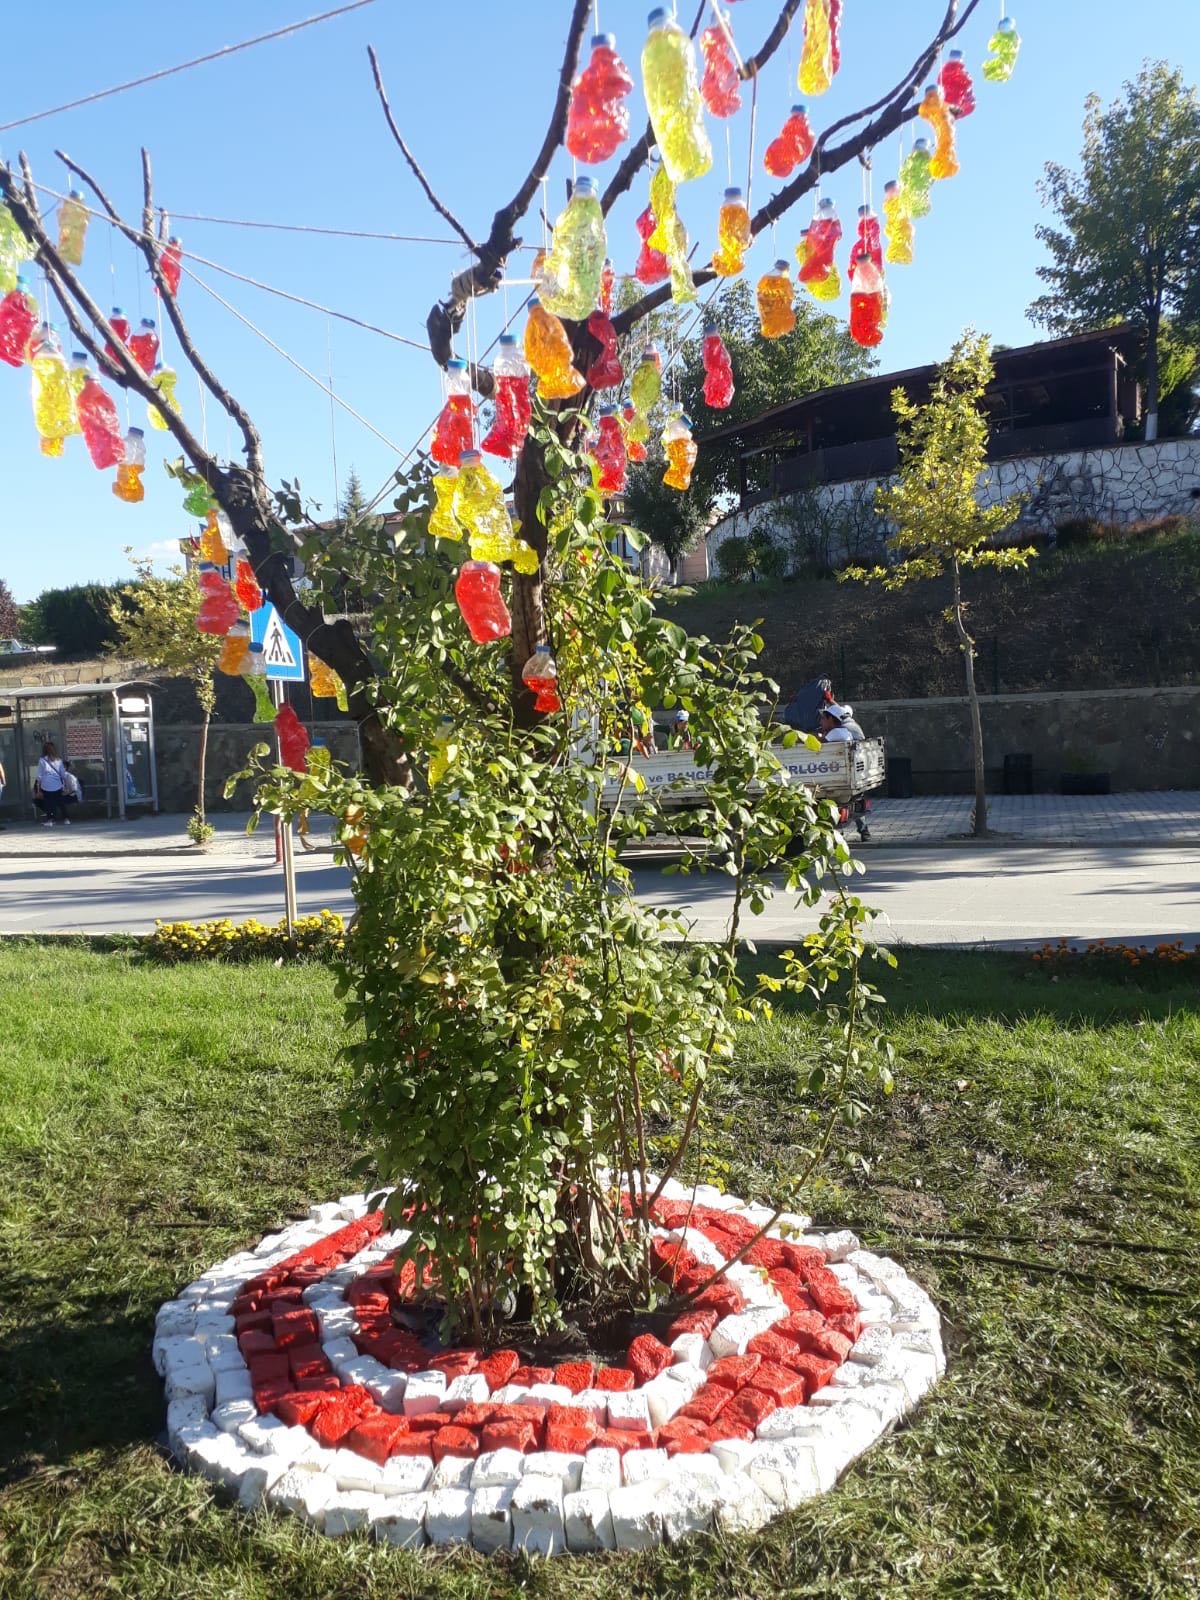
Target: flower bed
292 1380
319 936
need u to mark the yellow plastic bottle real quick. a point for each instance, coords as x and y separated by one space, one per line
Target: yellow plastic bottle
72 228
734 237
164 380
323 681
444 751
480 509
573 269
816 59
934 110
776 305
212 545
681 452
128 485
672 88
548 352
900 230
53 392
443 524
232 660
645 390
670 236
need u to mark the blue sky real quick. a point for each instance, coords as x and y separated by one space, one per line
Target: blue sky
291 132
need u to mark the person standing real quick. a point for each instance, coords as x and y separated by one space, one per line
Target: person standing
49 787
3 781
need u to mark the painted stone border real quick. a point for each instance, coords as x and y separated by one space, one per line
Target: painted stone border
786 1369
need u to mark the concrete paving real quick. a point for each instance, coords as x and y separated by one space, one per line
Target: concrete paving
1162 817
965 894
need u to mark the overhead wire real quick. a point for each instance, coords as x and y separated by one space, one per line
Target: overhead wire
183 66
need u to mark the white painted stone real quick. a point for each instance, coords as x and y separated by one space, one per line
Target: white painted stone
452 1472
448 1516
686 1507
299 1448
732 1334
755 1287
471 1389
788 1422
706 1252
555 1464
840 1244
636 1522
511 1394
230 1416
644 1466
261 1434
695 1469
260 1476
491 1517
629 1411
871 1345
401 1521
349 1511
174 1319
340 1350
495 1468
734 1455
537 1515
692 1350
743 1507
366 1371
174 1351
351 1471
304 1494
424 1392
193 1380
549 1394
664 1398
388 1391
404 1475
326 1214
787 1473
233 1385
190 1411
223 1355
594 1402
601 1468
588 1522
690 1379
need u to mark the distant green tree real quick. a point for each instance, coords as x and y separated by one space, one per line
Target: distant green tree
10 614
817 354
1127 246
933 506
76 620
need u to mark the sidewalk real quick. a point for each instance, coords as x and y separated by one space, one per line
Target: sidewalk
1160 817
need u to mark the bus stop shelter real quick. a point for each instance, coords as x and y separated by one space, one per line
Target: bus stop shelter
105 730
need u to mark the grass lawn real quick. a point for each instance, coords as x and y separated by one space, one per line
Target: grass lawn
153 1120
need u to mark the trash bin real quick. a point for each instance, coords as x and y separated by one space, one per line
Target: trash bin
1018 773
900 780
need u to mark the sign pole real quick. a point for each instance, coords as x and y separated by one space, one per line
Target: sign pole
285 832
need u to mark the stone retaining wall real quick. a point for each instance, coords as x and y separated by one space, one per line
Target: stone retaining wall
229 747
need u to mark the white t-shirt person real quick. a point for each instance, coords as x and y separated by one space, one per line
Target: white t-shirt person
51 789
833 730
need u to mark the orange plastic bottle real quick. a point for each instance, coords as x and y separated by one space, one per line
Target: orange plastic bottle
548 352
776 307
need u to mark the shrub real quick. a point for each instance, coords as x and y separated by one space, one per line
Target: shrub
314 938
733 558
77 620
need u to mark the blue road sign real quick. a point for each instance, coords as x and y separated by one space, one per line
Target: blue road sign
283 653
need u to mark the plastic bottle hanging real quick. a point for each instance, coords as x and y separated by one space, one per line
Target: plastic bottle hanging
18 322
598 118
513 410
793 146
1003 48
579 247
453 432
128 485
540 674
548 351
72 228
673 99
721 84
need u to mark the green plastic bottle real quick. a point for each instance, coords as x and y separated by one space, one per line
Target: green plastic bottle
14 249
916 180
673 99
575 266
1005 46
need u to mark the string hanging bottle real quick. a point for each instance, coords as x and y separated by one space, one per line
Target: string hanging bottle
608 451
443 524
53 395
869 239
164 380
119 323
816 58
18 320
548 352
670 235
98 421
72 228
792 147
718 370
128 485
540 675
254 671
579 246
598 118
218 606
955 83
776 303
680 450
143 345
14 250
652 265
1003 48
453 432
721 85
824 236
673 99
233 651
900 230
293 739
734 236
514 411
868 302
480 602
916 180
944 162
606 371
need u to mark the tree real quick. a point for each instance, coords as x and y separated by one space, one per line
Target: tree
10 613
818 353
523 1030
155 622
76 620
1128 243
933 506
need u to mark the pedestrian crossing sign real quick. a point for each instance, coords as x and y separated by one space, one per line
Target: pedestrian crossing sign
283 654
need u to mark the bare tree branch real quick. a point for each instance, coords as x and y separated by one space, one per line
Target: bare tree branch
755 63
442 210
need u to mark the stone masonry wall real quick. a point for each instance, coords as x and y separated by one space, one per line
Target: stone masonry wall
229 747
1127 483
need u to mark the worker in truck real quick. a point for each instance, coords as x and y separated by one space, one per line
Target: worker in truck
832 727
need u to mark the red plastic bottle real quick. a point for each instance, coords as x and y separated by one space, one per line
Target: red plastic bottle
540 673
452 432
513 408
598 118
609 452
868 304
218 608
143 345
119 323
823 237
835 35
171 263
869 241
99 426
246 586
793 146
720 85
18 320
293 739
608 283
957 89
606 371
718 370
477 590
635 449
652 265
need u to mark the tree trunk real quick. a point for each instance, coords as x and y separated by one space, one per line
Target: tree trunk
967 643
200 812
1153 328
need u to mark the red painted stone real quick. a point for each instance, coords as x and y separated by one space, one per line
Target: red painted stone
786 1388
731 1372
374 1436
648 1357
455 1441
701 1322
499 1367
509 1436
614 1380
575 1375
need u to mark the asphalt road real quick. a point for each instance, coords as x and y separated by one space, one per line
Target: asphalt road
1005 896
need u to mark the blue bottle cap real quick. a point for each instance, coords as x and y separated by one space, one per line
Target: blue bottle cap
800 109
922 145
656 18
22 282
456 364
956 55
782 266
469 458
507 339
1007 25
586 186
606 40
148 322
76 194
931 88
80 356
733 194
254 649
865 211
607 411
116 312
139 431
709 329
532 302
686 420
